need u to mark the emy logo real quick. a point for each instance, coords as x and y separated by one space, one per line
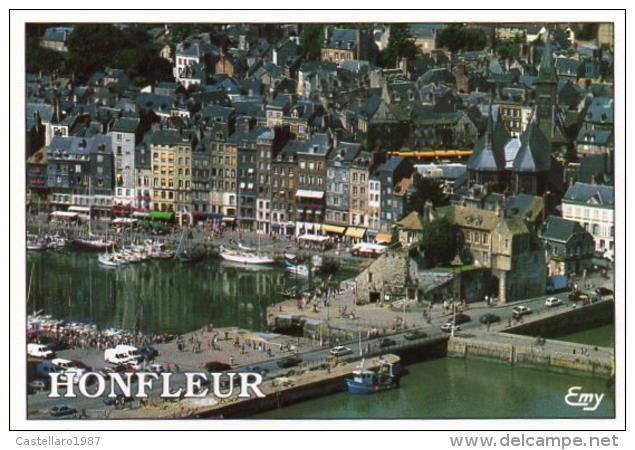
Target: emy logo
588 401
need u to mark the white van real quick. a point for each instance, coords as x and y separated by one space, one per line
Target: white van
122 354
39 351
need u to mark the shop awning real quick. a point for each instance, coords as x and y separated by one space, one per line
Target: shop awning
228 219
383 238
140 214
306 193
65 214
80 209
164 215
333 229
313 237
124 220
356 232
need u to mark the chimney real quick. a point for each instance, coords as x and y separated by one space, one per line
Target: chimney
500 211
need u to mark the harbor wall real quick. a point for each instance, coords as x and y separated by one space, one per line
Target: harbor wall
328 382
522 355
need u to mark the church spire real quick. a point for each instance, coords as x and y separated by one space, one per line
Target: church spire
547 70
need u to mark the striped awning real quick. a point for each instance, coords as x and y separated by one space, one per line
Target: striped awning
333 229
383 238
356 232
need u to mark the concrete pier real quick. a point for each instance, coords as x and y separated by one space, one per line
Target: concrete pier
296 385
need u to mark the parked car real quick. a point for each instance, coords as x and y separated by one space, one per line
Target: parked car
461 318
62 410
37 385
148 353
216 366
386 342
340 350
415 334
521 310
157 368
553 302
39 351
489 318
118 399
603 291
290 361
257 369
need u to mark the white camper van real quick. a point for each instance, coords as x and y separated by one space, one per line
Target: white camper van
39 351
122 354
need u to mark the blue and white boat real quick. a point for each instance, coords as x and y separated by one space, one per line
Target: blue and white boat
365 381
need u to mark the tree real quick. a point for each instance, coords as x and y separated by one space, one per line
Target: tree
439 242
400 45
425 190
456 37
41 59
311 40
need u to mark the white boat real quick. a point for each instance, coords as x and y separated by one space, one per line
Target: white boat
244 257
109 260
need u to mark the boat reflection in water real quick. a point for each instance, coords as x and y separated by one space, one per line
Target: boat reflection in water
157 296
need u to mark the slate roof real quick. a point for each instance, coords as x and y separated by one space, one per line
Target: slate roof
126 125
558 229
583 192
45 111
524 205
592 166
391 164
170 137
600 110
594 137
411 222
486 156
344 153
466 217
534 154
342 38
567 66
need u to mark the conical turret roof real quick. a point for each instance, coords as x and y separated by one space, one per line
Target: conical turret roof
486 156
534 154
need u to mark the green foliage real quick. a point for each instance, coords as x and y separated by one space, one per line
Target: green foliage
507 48
439 242
40 58
458 38
400 45
425 190
180 31
93 47
588 32
311 38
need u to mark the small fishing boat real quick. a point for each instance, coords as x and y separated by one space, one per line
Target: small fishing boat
36 245
301 270
184 255
365 381
109 260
